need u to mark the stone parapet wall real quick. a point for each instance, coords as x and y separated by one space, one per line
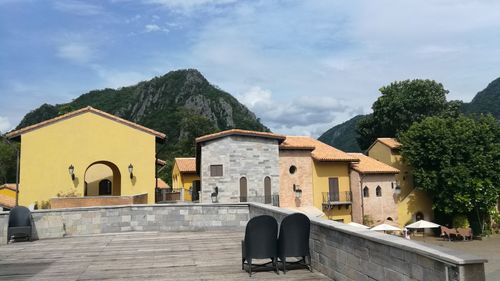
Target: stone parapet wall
344 252
114 219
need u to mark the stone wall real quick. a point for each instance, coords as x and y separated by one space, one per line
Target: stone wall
302 177
241 156
90 201
344 252
97 220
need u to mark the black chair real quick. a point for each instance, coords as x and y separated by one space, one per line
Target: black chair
260 242
20 225
294 240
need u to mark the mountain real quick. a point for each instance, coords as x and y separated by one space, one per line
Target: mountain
486 101
182 104
343 136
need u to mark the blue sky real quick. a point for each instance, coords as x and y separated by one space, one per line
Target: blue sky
301 66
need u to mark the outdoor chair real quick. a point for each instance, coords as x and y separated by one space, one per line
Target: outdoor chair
465 233
293 240
260 242
448 233
20 225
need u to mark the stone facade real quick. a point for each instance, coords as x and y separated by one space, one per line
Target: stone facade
375 208
302 177
240 156
344 252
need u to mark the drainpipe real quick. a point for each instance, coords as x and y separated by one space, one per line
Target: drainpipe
362 198
17 175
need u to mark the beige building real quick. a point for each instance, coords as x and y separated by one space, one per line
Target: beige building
296 167
373 184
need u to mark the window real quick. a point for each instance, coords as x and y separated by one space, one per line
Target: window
366 192
389 219
216 170
292 169
267 190
378 191
243 189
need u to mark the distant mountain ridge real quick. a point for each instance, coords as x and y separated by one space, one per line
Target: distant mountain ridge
343 136
182 104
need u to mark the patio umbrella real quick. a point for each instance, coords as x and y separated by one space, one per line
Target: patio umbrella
423 224
358 225
385 227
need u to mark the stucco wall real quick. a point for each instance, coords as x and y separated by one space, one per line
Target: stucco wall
322 171
46 154
241 156
302 177
89 201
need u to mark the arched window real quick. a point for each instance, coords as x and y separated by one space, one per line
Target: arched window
389 219
105 187
243 189
267 190
419 216
292 169
366 192
378 191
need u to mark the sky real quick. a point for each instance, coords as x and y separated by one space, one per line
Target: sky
300 66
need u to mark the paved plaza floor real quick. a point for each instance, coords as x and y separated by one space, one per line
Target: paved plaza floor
489 248
135 256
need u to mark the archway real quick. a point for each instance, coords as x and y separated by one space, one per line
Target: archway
102 178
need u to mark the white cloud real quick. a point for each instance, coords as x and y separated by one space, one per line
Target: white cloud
154 27
117 78
188 5
5 125
78 7
75 52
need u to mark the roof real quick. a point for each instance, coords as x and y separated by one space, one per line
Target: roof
368 165
162 184
320 151
186 165
392 143
7 202
239 132
11 186
80 112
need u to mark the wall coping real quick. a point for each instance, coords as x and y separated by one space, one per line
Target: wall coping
449 256
98 197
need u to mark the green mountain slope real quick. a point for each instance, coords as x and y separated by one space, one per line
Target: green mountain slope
182 104
486 101
343 136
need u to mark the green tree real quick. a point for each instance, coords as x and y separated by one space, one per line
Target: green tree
457 161
8 161
402 103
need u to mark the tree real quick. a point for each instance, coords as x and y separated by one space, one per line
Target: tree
457 161
8 161
401 104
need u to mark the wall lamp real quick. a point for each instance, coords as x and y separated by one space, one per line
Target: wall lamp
297 191
215 194
131 171
71 170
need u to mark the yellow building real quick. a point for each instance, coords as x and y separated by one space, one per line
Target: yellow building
7 196
184 178
331 190
86 153
413 204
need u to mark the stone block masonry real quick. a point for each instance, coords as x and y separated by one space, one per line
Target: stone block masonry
58 223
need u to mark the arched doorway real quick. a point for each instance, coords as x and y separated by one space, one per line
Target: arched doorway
102 178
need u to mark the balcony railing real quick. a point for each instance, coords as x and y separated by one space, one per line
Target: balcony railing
340 199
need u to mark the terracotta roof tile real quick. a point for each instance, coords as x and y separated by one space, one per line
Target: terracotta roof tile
162 184
390 142
82 111
320 151
11 186
368 165
240 132
186 165
7 202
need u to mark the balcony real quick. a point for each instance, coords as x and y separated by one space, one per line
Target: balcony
330 200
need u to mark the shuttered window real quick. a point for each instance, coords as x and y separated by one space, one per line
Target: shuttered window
216 170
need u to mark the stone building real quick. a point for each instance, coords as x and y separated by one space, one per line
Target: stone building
239 166
373 186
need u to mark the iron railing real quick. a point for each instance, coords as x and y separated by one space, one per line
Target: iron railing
270 199
331 199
